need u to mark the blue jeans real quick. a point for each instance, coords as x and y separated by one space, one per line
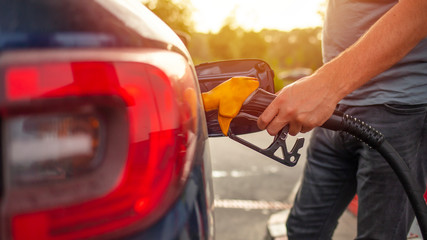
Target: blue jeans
339 166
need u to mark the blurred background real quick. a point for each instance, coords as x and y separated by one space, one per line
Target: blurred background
284 33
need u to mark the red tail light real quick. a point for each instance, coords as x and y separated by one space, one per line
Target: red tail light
126 127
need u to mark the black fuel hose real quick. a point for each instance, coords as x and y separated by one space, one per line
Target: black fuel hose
366 133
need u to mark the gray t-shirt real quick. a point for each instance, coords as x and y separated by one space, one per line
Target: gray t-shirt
404 83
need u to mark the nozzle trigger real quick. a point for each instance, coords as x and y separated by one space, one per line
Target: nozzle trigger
289 158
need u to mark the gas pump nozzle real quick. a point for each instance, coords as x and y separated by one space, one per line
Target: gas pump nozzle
247 109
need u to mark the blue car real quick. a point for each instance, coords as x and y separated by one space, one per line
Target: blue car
103 131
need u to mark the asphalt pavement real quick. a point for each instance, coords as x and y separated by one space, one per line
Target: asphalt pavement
253 192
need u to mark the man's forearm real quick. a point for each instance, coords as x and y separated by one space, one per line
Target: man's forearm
383 45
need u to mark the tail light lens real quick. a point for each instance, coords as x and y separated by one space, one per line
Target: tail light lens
95 148
51 147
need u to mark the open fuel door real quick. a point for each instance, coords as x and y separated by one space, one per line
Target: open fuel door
212 74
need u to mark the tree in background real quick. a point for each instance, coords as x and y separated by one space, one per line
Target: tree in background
234 42
295 49
252 45
177 14
224 44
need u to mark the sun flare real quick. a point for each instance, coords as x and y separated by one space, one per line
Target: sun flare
210 15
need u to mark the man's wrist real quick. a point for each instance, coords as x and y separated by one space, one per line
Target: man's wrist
334 81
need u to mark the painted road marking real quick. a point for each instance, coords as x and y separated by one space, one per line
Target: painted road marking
254 171
251 204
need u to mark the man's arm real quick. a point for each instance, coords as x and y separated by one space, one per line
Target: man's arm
310 101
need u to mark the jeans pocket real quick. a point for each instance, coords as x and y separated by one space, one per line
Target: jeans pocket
406 109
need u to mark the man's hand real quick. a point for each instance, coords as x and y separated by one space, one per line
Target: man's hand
304 105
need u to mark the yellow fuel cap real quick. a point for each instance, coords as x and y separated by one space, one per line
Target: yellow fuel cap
228 98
